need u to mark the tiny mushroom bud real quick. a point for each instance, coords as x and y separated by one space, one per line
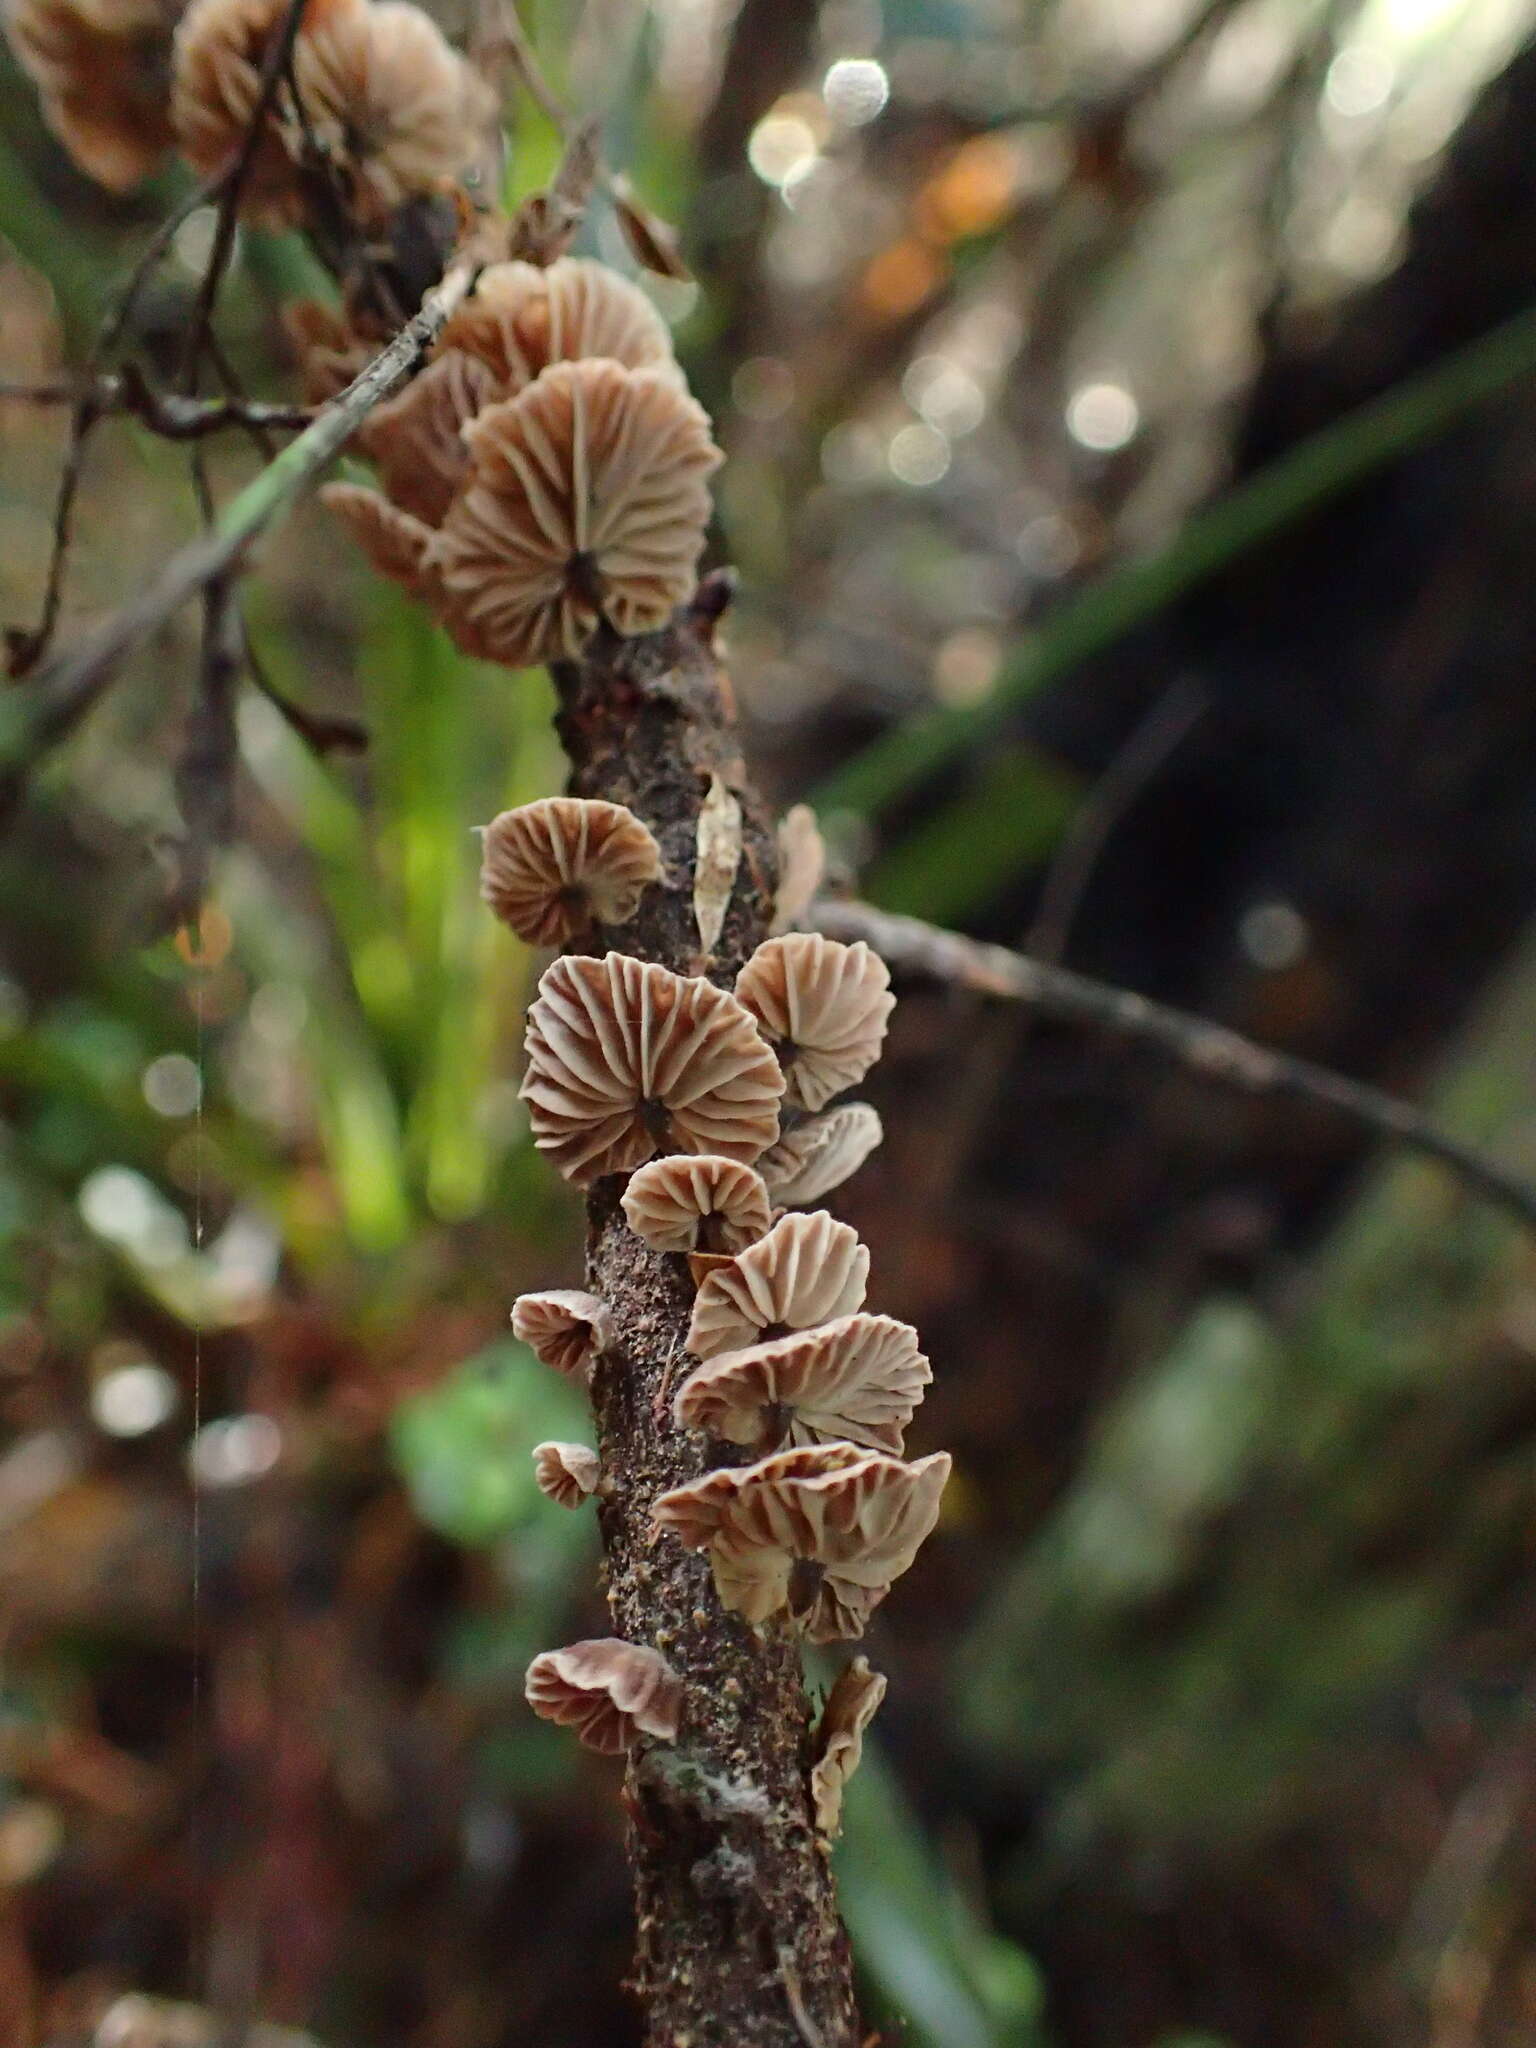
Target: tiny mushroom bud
858 1380
699 1203
565 1473
818 1155
802 863
807 1270
609 1692
552 868
839 1739
521 318
823 1532
825 1006
563 1328
626 1059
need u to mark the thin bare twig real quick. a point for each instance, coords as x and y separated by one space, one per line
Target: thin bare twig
173 416
1205 1048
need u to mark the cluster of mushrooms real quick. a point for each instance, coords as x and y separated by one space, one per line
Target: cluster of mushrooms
719 1107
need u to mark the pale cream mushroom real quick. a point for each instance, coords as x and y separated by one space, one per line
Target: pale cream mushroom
822 1532
563 1328
802 863
553 868
626 1059
839 1739
521 317
99 67
697 1204
807 1270
566 1473
816 1156
415 440
395 543
857 1380
586 500
607 1691
824 1007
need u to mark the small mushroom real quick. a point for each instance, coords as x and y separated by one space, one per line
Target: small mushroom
328 349
802 863
415 440
566 1473
822 1532
839 1739
563 1328
702 1203
823 1005
395 542
858 1380
549 869
609 1692
586 501
626 1059
521 318
807 1270
99 67
819 1154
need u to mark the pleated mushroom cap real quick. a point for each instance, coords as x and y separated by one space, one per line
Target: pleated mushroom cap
607 1691
520 318
395 543
857 1380
823 1532
626 1060
851 1706
100 67
807 1270
415 440
328 350
818 1155
586 498
824 1006
566 1473
563 1328
552 869
684 1204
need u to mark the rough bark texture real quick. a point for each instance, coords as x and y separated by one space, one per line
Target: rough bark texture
739 1940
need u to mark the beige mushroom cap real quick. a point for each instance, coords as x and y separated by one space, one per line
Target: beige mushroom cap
858 1380
839 1737
587 498
563 1328
802 864
566 1473
823 1531
395 543
609 1692
818 1155
521 318
824 1004
99 67
626 1059
679 1204
807 1270
415 439
552 868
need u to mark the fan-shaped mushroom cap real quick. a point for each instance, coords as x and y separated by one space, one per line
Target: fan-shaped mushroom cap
394 542
608 1691
566 1473
818 1155
825 1005
327 348
850 1707
563 1328
824 1531
549 869
671 1201
626 1059
521 318
415 441
586 498
99 67
802 863
858 1380
807 1270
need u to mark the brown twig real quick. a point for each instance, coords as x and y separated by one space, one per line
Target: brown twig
906 943
173 416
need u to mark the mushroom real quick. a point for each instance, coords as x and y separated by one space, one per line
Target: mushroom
626 1059
586 501
858 1380
824 1531
700 1204
824 1005
609 1692
415 440
552 868
563 1328
327 348
521 318
818 1155
839 1740
99 67
566 1473
395 542
802 863
807 1270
